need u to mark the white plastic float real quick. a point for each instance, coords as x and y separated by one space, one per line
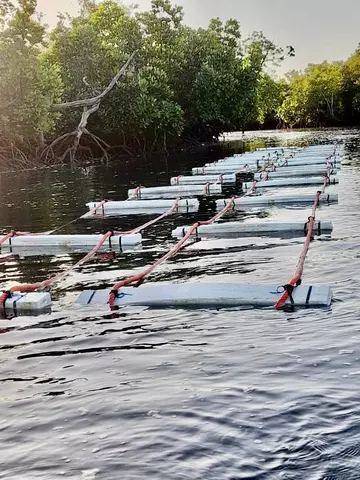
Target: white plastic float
256 200
203 295
70 240
147 193
204 179
293 162
33 302
289 172
265 149
228 169
290 182
148 207
255 227
219 170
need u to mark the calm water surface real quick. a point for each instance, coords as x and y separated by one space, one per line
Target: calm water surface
174 394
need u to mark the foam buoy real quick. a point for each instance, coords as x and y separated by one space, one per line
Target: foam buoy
256 228
203 295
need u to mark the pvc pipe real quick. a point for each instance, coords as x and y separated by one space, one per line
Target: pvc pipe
202 295
49 250
204 179
255 227
228 169
262 149
336 166
175 191
70 240
291 161
284 172
289 182
218 170
257 200
148 207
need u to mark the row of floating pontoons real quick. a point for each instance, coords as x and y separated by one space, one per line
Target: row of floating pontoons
250 180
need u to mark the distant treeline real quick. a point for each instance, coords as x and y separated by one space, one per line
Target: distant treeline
184 86
325 94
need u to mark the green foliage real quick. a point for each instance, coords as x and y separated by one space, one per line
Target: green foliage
351 92
271 95
315 96
28 85
185 83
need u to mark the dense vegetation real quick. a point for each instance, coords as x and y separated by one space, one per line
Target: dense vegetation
181 85
326 94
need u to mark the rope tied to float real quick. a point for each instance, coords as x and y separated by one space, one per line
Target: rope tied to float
137 193
139 278
50 281
177 179
27 288
255 182
297 278
206 190
96 208
8 237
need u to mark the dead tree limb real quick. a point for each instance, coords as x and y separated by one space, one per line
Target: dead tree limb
91 101
90 106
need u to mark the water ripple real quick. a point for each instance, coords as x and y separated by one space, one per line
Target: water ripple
172 394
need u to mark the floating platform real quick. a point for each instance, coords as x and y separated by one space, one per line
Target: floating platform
147 193
221 169
292 162
230 179
290 182
265 149
259 200
145 207
205 295
70 241
289 172
295 161
28 303
254 227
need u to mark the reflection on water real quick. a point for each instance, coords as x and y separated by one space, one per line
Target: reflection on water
174 394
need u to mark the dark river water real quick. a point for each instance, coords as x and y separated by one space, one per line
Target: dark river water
174 394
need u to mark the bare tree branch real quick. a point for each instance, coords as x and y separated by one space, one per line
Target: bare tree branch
98 98
90 106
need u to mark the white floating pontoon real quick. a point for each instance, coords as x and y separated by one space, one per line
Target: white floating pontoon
290 182
175 191
256 200
254 227
221 170
204 179
227 169
289 172
148 207
203 295
238 161
70 240
292 162
271 149
31 303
